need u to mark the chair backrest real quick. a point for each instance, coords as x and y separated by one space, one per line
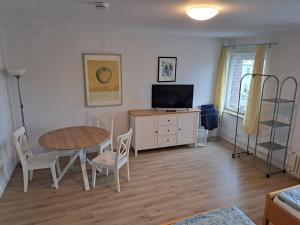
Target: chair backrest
98 121
93 120
21 144
124 141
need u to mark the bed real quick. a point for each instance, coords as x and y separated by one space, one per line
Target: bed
278 212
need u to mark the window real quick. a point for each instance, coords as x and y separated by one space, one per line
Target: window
239 64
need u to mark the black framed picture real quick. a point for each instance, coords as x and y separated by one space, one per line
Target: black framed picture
167 69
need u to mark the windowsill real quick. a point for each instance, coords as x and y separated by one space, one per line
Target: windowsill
231 112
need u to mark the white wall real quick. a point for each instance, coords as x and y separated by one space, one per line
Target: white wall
8 157
53 89
283 61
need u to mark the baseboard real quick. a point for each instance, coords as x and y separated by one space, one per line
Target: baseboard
3 187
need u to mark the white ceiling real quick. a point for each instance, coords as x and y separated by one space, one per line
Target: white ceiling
236 17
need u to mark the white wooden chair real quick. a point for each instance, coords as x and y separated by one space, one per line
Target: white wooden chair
98 121
32 162
114 160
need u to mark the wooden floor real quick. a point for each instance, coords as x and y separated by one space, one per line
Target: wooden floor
165 184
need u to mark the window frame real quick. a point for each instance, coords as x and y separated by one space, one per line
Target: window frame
231 55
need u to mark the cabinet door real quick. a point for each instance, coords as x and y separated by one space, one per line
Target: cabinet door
187 126
146 132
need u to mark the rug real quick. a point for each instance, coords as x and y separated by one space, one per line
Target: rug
227 216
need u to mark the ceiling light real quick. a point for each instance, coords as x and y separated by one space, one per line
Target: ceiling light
202 12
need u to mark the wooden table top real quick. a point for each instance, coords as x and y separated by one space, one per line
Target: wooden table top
152 112
73 138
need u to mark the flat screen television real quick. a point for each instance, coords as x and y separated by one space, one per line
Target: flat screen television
172 96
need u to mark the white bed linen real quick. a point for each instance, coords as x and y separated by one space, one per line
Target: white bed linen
287 207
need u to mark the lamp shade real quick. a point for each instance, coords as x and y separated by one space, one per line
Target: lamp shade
202 12
16 72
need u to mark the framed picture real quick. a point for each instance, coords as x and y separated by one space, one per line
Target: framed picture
103 80
167 69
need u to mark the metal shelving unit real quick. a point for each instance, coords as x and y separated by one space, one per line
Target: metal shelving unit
274 121
266 78
279 126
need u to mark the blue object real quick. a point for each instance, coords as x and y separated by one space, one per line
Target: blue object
228 216
208 106
207 111
209 121
209 117
291 198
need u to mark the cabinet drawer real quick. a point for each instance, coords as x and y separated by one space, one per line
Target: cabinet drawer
167 120
166 140
167 130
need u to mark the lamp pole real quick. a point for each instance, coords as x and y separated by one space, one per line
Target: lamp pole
18 73
20 100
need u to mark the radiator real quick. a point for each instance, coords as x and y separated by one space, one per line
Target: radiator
294 164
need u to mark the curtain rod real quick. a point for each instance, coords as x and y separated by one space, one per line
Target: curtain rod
269 44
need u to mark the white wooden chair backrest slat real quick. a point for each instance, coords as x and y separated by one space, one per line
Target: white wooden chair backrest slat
123 145
21 144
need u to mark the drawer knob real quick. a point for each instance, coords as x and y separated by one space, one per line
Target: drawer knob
168 130
167 140
168 120
156 131
179 129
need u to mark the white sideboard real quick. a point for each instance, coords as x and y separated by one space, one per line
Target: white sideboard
156 129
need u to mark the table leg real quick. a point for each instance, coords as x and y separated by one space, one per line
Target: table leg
83 170
87 160
73 157
91 163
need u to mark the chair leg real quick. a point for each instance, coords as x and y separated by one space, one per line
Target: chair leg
94 174
25 179
117 180
30 175
128 176
58 167
53 171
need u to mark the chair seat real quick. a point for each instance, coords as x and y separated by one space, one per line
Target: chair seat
43 160
97 147
106 159
38 149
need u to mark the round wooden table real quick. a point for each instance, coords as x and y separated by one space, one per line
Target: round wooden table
77 139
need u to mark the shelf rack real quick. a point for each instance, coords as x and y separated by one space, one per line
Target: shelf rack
277 124
265 78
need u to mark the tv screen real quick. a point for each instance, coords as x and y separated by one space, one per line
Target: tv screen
172 96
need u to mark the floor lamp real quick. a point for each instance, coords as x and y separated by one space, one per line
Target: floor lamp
17 73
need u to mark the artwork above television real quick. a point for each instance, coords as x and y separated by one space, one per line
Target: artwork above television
172 96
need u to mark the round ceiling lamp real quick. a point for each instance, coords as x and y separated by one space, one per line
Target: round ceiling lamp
202 12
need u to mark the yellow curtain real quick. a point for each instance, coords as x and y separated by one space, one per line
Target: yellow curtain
221 81
252 113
